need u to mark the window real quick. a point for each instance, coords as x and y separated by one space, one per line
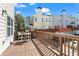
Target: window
9 26
8 20
42 19
8 31
11 22
11 31
35 19
49 20
46 19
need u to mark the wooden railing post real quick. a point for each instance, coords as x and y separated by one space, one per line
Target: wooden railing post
72 47
64 46
77 48
60 38
68 48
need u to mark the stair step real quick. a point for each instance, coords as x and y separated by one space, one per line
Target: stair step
43 48
50 53
47 53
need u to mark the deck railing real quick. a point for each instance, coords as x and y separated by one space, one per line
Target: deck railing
24 35
67 45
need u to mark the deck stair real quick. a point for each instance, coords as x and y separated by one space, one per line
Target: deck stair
44 48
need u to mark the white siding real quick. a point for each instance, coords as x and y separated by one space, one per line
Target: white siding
3 25
52 21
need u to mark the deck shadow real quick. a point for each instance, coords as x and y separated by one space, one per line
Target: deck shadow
19 43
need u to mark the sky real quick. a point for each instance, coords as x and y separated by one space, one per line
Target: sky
29 9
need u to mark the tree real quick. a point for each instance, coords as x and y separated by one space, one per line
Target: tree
19 23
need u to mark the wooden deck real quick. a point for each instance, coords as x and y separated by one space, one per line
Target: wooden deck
45 44
21 49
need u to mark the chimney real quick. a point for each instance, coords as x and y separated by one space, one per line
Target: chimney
39 10
63 12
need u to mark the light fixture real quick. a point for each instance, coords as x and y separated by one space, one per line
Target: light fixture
4 12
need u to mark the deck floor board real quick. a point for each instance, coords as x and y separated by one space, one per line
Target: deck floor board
24 49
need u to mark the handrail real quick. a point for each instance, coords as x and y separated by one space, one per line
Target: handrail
61 34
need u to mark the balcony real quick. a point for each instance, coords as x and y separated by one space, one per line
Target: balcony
45 43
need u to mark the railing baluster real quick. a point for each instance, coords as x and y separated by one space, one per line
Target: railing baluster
78 48
68 48
43 36
51 37
48 36
64 46
60 45
72 47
